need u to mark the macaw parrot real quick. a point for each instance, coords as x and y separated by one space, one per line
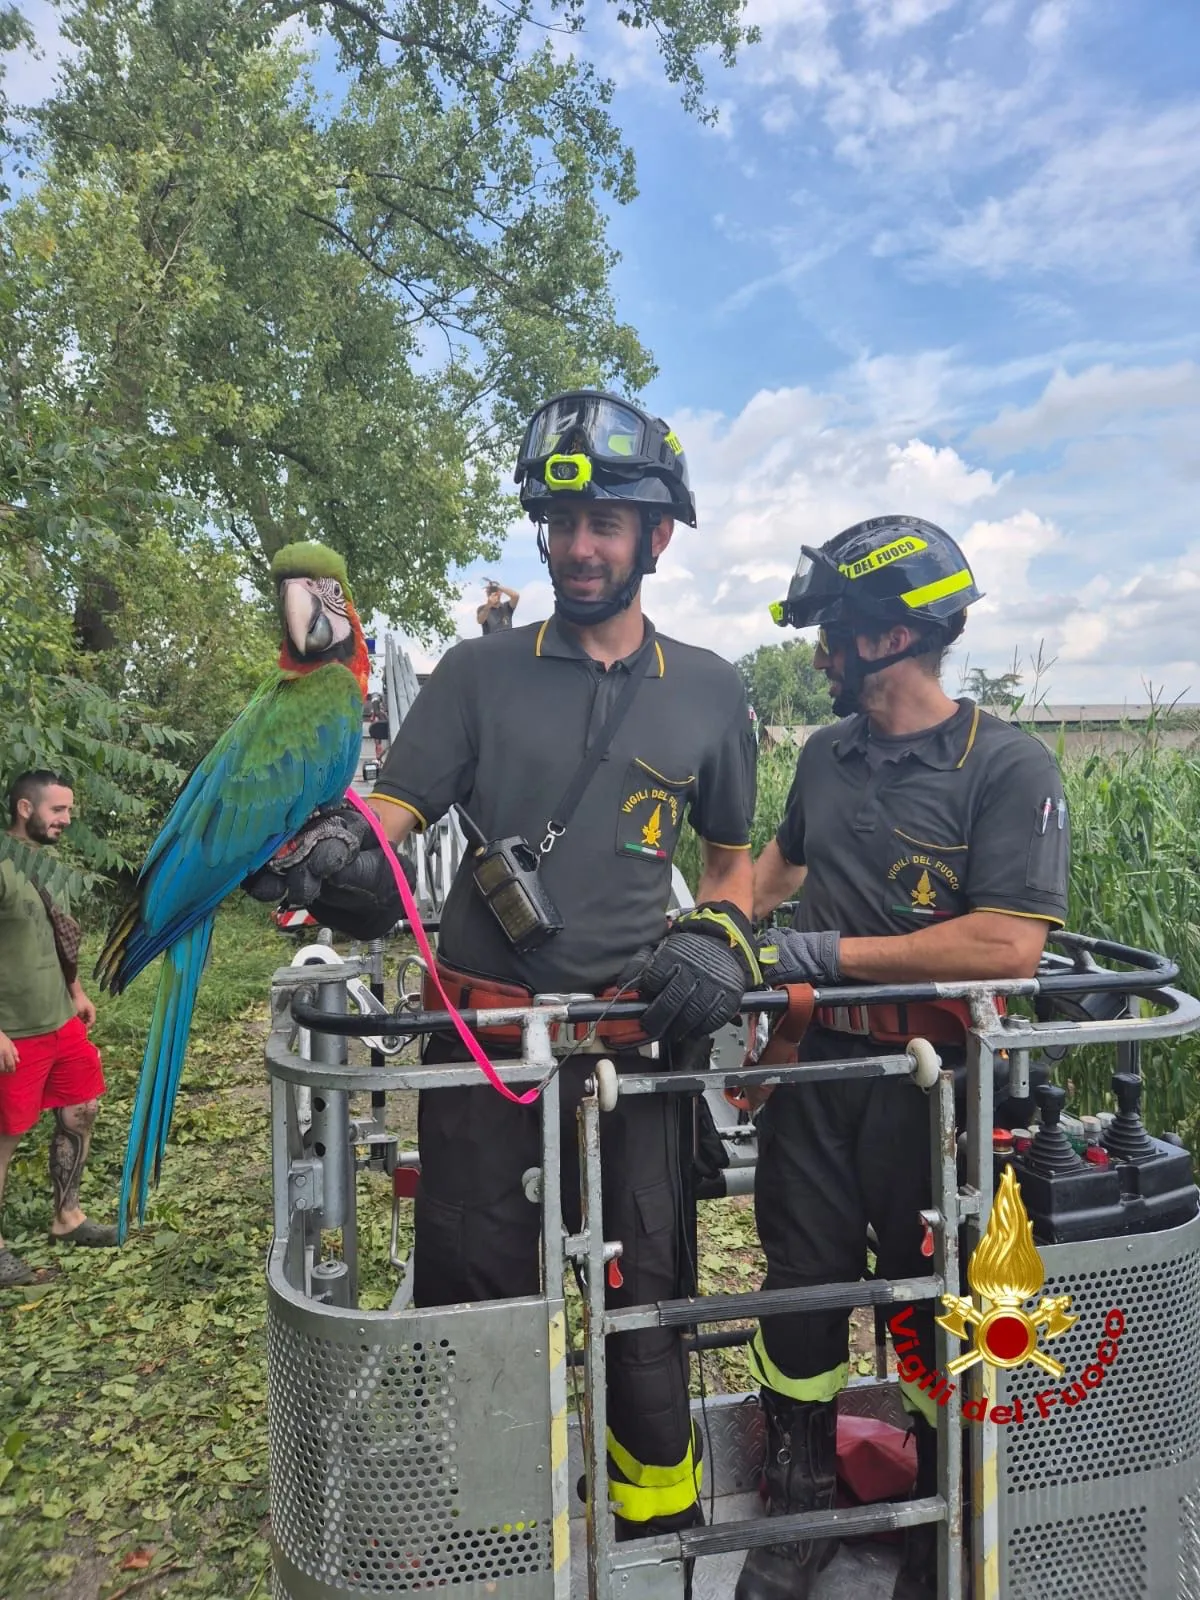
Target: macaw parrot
295 747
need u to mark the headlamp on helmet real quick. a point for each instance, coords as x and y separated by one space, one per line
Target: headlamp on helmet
567 473
598 445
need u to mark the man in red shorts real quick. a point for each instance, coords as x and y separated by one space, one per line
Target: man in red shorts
47 1061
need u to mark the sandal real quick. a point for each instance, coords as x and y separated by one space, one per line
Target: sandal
93 1234
13 1271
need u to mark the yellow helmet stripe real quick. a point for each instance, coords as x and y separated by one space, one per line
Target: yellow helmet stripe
938 591
883 557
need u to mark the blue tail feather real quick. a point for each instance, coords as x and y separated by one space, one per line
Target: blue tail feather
162 1067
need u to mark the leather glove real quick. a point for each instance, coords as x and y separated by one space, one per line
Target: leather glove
696 977
335 868
788 956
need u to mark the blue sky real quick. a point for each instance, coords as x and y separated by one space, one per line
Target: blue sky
938 256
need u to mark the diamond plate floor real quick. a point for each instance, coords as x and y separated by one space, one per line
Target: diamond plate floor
865 1570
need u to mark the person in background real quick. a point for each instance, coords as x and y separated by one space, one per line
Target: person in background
496 612
47 1061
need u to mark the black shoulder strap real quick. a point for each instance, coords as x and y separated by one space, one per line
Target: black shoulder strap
586 771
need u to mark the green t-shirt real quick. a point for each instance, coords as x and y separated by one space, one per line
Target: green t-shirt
33 991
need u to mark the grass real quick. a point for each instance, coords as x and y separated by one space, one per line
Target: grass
132 1385
132 1406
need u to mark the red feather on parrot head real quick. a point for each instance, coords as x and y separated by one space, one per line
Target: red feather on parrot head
320 624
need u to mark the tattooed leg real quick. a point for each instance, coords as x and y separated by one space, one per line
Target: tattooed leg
8 1148
68 1152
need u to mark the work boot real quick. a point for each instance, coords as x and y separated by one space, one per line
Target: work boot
801 1475
693 1517
918 1568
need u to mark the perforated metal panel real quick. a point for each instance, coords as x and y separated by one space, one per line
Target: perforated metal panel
1146 1413
402 1458
1049 1562
1110 1486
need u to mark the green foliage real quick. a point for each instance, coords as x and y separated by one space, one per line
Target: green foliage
72 495
329 319
1001 689
15 33
783 686
1135 877
132 1417
186 639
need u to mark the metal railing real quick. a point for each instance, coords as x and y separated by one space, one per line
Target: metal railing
308 1183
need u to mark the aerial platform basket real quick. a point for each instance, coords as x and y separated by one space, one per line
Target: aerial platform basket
422 1449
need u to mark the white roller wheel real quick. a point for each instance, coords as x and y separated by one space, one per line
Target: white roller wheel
926 1063
606 1084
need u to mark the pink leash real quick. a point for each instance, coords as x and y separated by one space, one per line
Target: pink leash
414 919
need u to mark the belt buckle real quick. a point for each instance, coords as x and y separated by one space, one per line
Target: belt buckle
584 1041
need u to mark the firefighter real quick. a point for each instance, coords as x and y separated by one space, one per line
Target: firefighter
927 840
502 728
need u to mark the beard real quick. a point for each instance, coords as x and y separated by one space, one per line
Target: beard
606 582
41 832
846 701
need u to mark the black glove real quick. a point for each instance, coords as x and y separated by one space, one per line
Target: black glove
335 868
788 956
696 977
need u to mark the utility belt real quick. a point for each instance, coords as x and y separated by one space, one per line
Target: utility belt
940 1021
470 993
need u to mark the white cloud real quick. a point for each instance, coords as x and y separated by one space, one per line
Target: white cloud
1085 403
1048 23
886 18
1121 203
778 115
917 469
1080 561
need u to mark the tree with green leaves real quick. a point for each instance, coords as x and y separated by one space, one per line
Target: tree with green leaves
783 686
329 320
1000 691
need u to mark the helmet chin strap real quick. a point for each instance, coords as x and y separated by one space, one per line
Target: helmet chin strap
586 613
856 671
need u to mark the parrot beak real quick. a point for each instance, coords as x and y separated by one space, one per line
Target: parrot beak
312 627
301 610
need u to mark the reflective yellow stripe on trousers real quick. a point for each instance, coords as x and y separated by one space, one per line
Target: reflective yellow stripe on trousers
825 1386
642 1493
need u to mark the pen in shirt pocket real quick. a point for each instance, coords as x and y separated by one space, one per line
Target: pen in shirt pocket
1062 815
1047 808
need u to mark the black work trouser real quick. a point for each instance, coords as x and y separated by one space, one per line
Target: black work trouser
478 1237
834 1157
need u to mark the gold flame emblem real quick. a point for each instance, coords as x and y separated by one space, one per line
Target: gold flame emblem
1006 1271
652 832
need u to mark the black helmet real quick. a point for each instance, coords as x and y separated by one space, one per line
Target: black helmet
599 446
885 570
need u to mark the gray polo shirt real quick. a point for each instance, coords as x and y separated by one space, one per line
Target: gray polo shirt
967 817
498 618
501 728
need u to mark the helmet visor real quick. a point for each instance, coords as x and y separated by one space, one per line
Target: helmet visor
816 588
591 424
